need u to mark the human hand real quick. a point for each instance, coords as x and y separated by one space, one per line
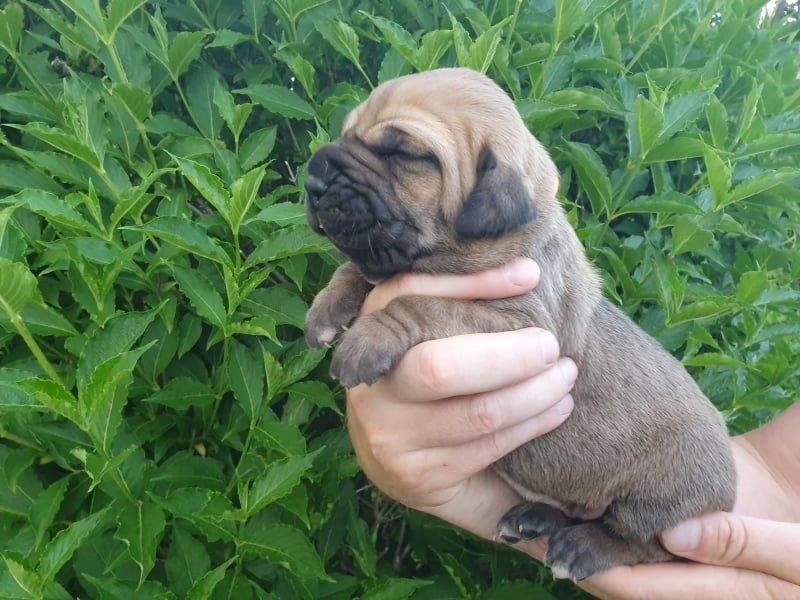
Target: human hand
735 557
426 434
751 554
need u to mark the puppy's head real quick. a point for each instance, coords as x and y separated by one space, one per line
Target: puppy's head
431 167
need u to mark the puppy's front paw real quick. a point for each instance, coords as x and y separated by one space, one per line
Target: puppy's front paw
367 352
328 317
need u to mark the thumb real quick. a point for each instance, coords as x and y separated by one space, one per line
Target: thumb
731 540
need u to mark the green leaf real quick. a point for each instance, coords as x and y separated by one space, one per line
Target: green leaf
284 546
592 176
11 23
184 49
118 11
204 587
288 242
63 141
279 100
485 46
45 507
760 183
185 235
397 588
206 300
315 392
210 511
398 38
65 543
278 481
282 213
244 191
717 118
719 176
281 437
17 287
103 397
209 185
17 583
140 527
52 208
187 563
342 37
246 378
53 396
119 335
649 123
257 147
182 393
284 306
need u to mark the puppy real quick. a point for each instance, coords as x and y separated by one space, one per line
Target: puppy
436 172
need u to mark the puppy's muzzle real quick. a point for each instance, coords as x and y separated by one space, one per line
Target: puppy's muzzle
339 204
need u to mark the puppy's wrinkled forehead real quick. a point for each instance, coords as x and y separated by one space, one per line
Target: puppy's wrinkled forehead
452 113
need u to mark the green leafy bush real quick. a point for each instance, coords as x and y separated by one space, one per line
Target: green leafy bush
165 431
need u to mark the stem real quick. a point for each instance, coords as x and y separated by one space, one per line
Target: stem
19 325
245 450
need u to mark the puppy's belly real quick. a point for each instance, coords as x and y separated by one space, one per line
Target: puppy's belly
571 509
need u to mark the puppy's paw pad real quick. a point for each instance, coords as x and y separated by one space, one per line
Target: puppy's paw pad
326 320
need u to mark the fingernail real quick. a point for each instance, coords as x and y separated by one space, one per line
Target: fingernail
565 405
568 370
549 347
684 537
523 272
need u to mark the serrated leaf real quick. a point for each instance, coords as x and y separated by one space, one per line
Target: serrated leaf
184 48
65 543
759 184
17 287
397 588
207 183
52 208
278 481
187 563
118 336
140 527
206 300
288 242
211 512
649 123
342 37
284 306
315 392
592 175
204 587
719 176
279 100
45 508
246 378
185 235
284 546
183 392
243 193
103 397
11 22
281 437
63 141
54 396
282 213
257 147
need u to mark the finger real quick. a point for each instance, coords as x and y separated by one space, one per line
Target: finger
667 581
467 459
732 540
513 279
471 364
459 420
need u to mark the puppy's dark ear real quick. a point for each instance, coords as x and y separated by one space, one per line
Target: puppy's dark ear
498 203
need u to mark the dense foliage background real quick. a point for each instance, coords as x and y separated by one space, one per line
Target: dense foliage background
165 431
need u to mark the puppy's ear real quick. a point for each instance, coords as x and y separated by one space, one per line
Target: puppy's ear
498 203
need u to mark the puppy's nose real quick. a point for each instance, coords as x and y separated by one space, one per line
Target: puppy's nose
315 186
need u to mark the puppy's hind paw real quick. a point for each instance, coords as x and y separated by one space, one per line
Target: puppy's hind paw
529 520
